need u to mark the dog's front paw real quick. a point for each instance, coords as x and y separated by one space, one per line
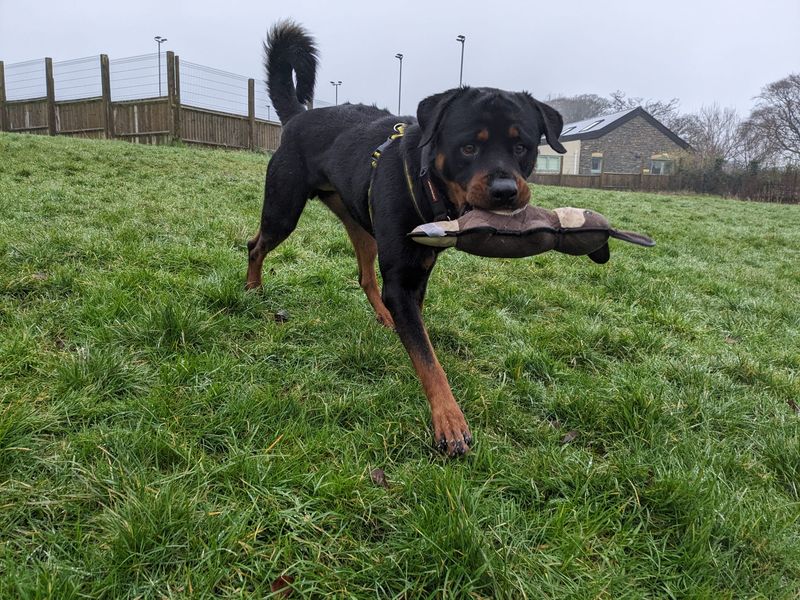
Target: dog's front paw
451 433
385 318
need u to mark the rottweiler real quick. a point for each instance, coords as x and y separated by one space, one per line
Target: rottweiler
467 147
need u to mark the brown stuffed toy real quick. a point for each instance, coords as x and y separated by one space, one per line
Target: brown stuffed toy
527 231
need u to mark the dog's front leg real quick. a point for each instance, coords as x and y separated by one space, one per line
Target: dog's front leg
403 291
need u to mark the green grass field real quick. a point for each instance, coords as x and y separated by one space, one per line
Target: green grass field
162 435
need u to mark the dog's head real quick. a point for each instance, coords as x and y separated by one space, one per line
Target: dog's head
483 143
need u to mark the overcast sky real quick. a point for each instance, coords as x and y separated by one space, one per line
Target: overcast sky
700 51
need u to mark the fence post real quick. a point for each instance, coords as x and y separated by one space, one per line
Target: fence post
171 100
3 126
251 113
51 96
176 95
105 83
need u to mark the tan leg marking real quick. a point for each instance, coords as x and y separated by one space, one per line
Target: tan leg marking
255 261
451 433
366 253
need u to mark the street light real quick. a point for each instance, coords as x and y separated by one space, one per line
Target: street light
461 40
399 57
336 85
160 40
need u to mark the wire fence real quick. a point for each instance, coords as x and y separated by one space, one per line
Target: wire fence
139 78
77 79
26 80
213 89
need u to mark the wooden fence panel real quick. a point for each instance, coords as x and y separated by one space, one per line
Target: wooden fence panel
267 135
81 118
209 128
142 121
27 116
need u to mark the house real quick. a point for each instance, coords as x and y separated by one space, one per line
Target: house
631 141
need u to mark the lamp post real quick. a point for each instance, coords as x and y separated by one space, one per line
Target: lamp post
336 85
160 40
460 39
399 57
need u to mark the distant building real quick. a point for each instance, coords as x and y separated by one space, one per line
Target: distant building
631 141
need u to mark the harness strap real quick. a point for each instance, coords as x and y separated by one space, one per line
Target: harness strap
399 131
438 207
437 204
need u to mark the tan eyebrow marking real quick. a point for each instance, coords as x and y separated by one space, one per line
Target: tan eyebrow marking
513 131
483 135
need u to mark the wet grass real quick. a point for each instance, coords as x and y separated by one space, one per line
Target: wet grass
163 435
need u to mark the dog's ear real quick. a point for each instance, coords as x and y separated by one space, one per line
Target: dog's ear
430 112
553 123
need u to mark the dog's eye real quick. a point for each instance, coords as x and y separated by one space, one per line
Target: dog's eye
469 150
520 149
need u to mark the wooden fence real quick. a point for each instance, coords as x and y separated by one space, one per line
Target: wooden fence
147 121
769 186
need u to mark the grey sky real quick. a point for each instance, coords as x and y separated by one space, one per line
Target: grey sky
698 51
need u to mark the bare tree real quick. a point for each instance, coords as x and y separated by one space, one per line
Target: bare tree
715 134
756 150
777 117
666 112
579 107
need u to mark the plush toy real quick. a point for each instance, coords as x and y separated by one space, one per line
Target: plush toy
527 231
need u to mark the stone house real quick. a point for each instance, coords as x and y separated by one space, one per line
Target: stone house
631 141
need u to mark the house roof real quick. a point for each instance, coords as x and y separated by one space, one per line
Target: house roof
596 127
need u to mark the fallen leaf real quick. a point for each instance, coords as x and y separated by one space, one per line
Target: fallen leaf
379 477
281 584
793 405
570 437
730 340
282 316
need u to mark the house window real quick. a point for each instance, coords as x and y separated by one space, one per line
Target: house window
597 165
661 167
590 125
548 164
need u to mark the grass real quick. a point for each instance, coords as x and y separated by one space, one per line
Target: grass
163 435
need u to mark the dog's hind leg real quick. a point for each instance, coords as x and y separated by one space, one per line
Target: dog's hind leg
366 253
284 200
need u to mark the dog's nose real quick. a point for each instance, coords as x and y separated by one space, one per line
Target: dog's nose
503 190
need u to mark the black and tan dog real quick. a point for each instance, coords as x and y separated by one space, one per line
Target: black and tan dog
468 147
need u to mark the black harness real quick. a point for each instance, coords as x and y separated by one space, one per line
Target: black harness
437 205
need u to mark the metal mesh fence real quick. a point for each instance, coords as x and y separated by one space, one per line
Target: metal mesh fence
137 77
78 78
264 109
204 87
26 80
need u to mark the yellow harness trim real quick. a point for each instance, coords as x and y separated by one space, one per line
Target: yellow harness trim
411 189
399 131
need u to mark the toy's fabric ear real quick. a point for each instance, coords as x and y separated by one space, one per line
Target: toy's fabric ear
553 124
602 255
430 112
632 237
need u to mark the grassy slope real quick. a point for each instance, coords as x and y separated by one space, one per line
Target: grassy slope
162 434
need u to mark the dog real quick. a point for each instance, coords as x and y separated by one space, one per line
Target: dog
467 148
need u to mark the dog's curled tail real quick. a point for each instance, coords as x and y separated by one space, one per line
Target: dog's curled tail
289 48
